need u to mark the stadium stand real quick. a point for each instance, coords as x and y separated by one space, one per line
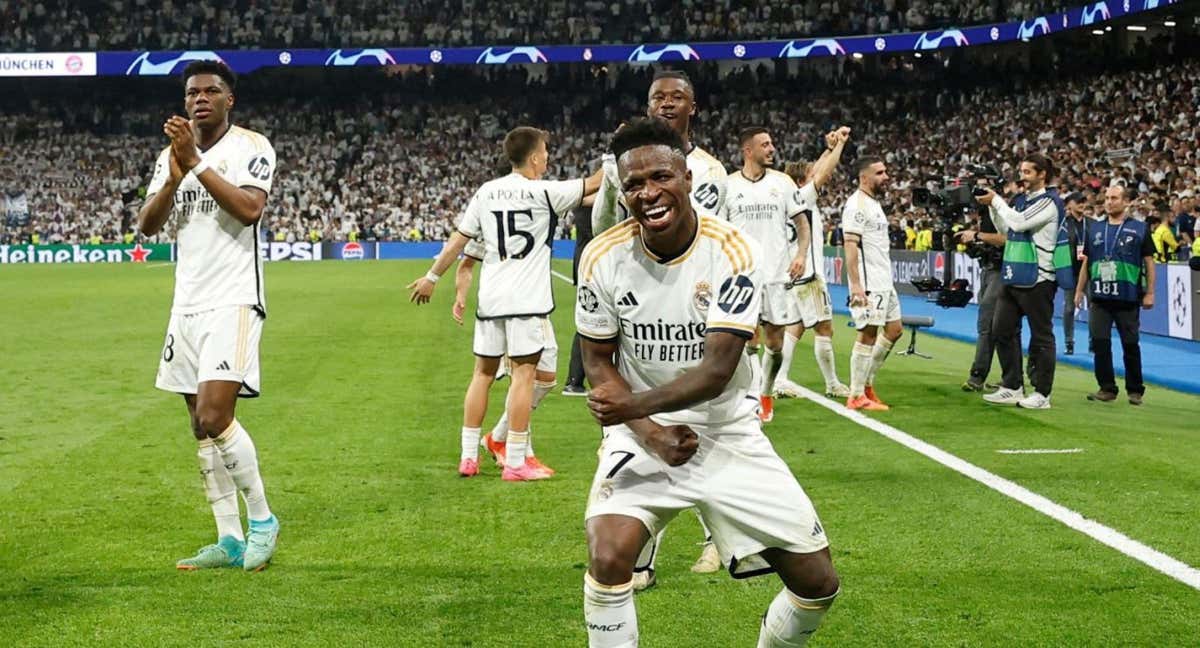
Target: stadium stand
52 25
394 158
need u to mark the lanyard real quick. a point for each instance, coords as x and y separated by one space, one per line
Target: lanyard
1108 251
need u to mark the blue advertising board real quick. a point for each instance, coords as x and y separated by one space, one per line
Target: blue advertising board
242 61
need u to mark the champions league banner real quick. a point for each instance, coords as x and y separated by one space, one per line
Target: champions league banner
243 61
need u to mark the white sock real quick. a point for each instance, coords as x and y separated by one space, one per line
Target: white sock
770 370
499 432
703 526
649 555
879 355
221 491
540 389
789 348
610 615
755 372
860 366
515 448
823 350
241 459
791 620
470 443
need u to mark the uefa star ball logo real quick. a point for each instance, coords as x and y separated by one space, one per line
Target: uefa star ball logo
285 58
880 44
435 56
739 50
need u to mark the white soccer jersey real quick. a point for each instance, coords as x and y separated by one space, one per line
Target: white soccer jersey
218 261
515 217
660 310
863 215
475 249
707 197
763 208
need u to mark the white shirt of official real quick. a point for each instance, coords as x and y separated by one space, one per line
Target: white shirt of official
218 261
515 218
863 215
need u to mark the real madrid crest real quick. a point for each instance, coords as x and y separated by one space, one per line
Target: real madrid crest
222 167
702 296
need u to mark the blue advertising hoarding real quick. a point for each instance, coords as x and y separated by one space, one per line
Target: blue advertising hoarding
242 61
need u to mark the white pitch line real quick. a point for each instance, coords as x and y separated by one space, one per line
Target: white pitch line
1042 451
1149 556
562 276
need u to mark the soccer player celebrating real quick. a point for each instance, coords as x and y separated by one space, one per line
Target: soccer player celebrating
761 202
515 217
544 379
873 300
214 178
816 307
674 296
671 99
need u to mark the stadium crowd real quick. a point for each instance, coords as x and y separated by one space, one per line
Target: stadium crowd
377 158
55 25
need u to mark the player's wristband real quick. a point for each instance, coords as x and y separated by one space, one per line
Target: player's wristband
432 277
200 168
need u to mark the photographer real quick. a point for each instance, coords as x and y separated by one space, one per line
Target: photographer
1031 229
985 246
1074 226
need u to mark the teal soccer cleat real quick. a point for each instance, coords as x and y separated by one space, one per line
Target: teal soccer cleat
260 543
226 553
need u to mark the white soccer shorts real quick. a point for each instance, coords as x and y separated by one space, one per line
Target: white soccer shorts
219 344
549 360
747 495
882 307
779 306
815 304
514 337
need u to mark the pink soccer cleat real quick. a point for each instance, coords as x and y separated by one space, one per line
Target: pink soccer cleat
533 462
524 473
497 448
468 467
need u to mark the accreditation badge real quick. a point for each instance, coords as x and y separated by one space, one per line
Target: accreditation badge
1108 271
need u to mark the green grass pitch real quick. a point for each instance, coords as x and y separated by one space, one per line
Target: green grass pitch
382 543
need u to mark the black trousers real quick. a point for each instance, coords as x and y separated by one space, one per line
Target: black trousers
1127 316
1035 304
583 233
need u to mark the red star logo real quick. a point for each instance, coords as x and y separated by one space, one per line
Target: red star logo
138 254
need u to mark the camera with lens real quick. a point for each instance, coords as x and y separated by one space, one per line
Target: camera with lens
988 255
958 195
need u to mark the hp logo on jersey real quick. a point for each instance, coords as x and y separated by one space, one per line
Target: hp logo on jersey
260 168
736 294
707 195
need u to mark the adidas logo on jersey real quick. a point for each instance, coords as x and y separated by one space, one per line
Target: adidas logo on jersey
224 366
628 300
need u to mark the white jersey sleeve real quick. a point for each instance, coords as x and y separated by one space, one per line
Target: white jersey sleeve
801 199
709 181
469 224
739 288
162 172
595 309
564 195
257 170
475 249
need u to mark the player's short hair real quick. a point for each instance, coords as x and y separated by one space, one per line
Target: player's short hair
646 132
1128 194
864 162
748 134
798 171
675 74
218 68
1041 163
521 142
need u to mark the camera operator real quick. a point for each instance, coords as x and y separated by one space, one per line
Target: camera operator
1074 225
986 246
1031 229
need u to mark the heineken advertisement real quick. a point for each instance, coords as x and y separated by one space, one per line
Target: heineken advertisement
113 253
